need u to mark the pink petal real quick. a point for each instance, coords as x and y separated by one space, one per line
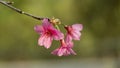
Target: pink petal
68 38
66 53
70 44
48 42
39 29
60 52
41 40
76 35
72 52
46 23
58 36
77 27
55 51
63 51
45 41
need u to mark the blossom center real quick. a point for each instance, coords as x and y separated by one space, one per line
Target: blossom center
69 29
48 33
63 43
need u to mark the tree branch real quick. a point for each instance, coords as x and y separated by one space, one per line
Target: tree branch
8 4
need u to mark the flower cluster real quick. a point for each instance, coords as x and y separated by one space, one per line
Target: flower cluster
49 31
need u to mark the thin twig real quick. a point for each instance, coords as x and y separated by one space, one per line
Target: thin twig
18 10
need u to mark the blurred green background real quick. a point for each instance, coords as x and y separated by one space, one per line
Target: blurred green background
100 36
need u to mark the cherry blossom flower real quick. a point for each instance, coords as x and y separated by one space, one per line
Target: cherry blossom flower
64 50
73 32
48 33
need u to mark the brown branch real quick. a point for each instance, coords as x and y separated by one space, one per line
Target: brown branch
8 4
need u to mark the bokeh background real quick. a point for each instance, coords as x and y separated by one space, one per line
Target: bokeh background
99 46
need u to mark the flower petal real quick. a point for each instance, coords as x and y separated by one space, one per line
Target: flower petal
55 51
63 51
39 29
46 23
45 41
57 35
71 51
60 52
48 42
68 38
41 40
76 35
77 27
70 44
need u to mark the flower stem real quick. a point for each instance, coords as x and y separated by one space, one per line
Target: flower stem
19 11
57 27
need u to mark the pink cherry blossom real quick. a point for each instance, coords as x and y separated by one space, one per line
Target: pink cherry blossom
73 32
64 50
48 33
